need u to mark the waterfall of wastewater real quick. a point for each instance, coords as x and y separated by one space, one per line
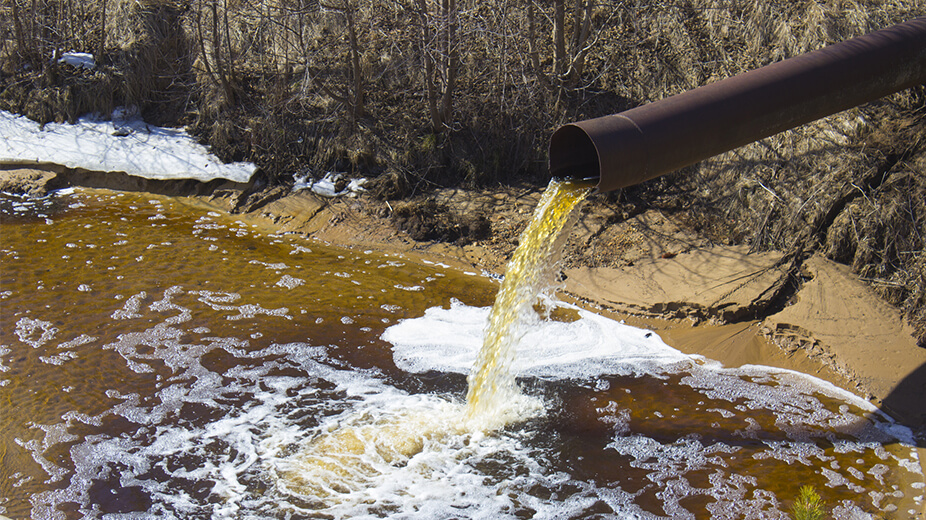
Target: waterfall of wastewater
492 386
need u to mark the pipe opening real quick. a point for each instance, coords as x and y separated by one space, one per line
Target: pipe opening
573 155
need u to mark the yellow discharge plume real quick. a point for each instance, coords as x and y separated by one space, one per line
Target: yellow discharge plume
492 387
352 455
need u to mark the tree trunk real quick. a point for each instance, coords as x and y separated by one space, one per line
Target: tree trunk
532 37
221 66
102 45
429 66
18 30
229 55
356 71
202 46
583 26
559 39
451 59
444 42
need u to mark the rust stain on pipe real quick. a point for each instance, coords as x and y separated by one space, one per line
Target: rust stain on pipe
654 139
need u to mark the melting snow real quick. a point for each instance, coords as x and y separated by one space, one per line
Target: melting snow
123 144
80 60
327 186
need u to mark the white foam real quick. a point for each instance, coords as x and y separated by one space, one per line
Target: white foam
447 340
28 328
290 282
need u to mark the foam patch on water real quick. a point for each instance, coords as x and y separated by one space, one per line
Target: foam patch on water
766 414
221 443
446 479
447 340
225 444
228 461
231 443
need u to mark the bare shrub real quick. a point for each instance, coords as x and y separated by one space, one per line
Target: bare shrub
157 60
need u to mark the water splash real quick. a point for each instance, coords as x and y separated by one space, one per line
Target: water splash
360 451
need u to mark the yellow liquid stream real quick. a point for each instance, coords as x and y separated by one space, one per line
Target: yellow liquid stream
357 451
492 386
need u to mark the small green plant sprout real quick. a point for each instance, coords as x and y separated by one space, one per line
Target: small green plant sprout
808 506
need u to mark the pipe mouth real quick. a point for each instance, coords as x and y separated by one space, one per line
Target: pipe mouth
573 155
592 183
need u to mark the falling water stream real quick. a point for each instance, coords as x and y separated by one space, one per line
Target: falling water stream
493 392
162 360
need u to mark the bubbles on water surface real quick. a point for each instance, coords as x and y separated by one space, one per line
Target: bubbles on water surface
25 208
290 282
35 333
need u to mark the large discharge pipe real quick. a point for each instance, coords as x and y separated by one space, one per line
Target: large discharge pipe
651 140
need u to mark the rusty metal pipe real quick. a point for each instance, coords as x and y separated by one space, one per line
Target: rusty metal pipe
654 139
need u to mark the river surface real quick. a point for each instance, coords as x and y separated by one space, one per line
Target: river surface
161 360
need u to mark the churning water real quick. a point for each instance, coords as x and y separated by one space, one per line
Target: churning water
160 360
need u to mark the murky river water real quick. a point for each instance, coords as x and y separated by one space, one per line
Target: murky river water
161 360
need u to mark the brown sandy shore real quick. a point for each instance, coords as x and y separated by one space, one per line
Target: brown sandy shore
720 301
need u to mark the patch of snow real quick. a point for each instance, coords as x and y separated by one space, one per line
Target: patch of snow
80 60
327 186
123 144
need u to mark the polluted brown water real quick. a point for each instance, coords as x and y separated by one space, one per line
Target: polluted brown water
161 360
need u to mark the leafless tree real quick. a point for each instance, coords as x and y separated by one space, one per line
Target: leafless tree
569 51
440 53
